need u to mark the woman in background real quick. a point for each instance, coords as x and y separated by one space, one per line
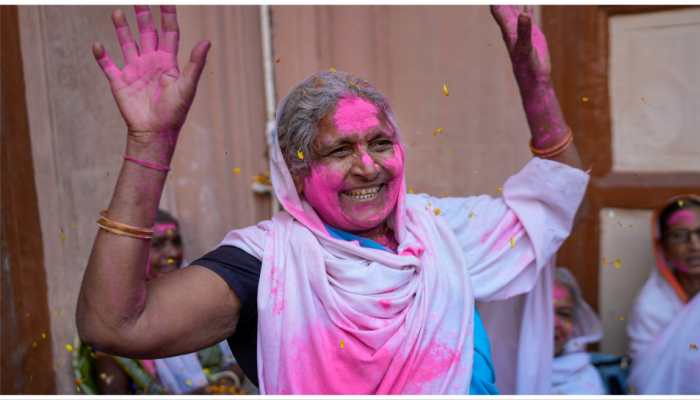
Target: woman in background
575 325
664 327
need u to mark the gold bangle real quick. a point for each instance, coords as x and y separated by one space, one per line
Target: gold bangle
555 150
123 233
121 228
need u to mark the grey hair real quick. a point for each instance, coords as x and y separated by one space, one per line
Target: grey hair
308 103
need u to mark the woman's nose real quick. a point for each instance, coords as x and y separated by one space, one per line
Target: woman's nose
365 166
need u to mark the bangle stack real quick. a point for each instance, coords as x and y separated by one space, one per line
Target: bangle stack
121 229
555 150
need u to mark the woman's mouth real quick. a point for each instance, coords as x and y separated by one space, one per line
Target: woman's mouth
364 194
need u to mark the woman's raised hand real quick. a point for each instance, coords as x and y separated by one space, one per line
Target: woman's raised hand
526 43
152 94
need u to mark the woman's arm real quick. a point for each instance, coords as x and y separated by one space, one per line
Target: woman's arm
529 55
118 310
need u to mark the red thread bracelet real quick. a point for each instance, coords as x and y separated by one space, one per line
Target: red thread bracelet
147 164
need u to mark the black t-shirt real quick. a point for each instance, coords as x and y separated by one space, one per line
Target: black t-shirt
241 271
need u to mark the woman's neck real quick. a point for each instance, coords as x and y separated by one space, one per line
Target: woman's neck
689 282
382 235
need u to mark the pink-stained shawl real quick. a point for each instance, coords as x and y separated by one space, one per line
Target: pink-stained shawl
338 318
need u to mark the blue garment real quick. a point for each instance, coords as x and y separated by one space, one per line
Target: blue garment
483 380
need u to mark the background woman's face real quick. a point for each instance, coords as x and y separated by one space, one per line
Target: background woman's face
355 182
563 316
166 250
682 240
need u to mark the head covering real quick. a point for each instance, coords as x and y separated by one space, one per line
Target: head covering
335 317
572 371
662 264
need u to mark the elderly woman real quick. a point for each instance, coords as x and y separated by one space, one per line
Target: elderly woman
575 326
356 286
664 326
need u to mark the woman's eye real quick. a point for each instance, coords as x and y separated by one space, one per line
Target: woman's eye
383 144
340 152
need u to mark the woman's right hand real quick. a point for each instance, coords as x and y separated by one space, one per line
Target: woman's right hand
152 94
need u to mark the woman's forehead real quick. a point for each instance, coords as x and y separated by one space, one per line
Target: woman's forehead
684 217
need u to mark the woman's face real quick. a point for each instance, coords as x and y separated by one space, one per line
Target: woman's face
355 182
682 240
166 250
563 316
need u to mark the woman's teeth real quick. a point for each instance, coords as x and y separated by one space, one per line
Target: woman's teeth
363 194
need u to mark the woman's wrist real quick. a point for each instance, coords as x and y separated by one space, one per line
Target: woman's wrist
152 147
544 116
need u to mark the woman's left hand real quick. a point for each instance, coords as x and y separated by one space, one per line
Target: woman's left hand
526 44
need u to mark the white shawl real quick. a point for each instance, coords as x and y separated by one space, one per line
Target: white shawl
664 341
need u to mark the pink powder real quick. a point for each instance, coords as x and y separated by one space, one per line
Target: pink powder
684 216
355 114
560 292
161 229
315 363
507 229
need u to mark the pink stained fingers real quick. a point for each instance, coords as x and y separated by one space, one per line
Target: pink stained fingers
193 69
130 50
147 29
105 62
170 30
523 45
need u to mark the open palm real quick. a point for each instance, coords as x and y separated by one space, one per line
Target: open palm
151 93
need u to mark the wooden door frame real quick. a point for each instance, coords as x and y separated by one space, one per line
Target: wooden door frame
579 44
26 361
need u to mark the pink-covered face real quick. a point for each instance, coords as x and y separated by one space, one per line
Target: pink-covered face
355 182
682 240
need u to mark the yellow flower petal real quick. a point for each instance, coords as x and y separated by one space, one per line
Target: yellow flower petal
236 170
445 90
332 69
69 348
437 131
512 242
499 189
300 155
410 190
437 211
342 344
617 263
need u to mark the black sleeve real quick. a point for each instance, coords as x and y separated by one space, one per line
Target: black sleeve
241 271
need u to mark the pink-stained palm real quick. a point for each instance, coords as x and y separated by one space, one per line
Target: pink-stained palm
152 94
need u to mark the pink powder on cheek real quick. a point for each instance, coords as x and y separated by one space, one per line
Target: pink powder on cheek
355 114
685 216
560 292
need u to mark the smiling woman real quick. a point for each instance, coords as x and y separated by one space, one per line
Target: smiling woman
356 286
